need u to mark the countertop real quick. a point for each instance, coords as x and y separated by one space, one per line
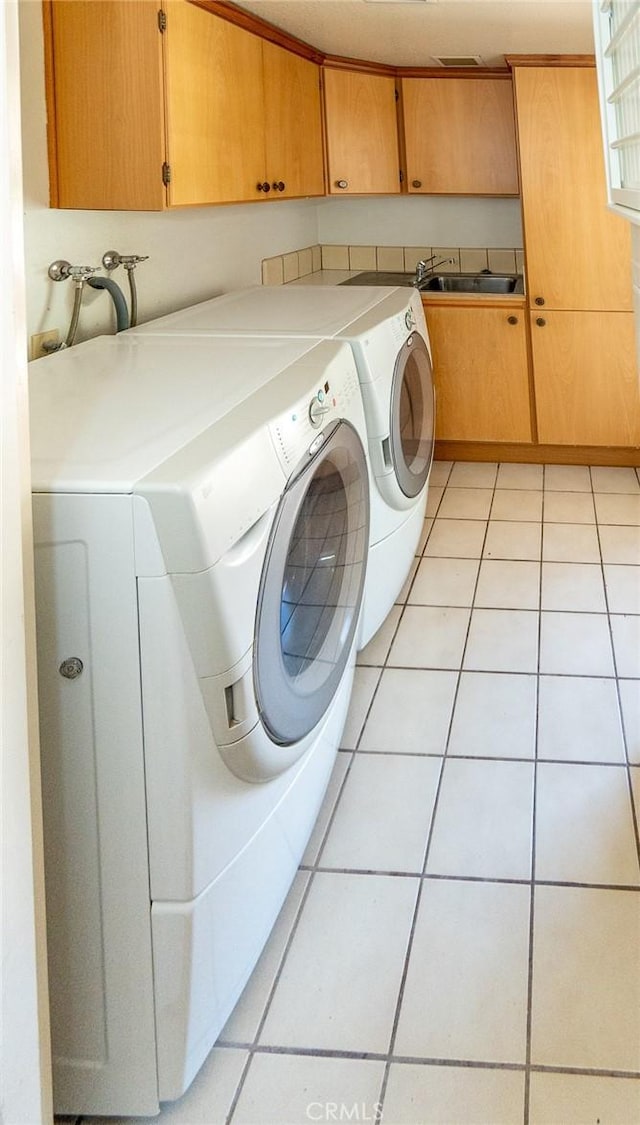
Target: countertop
335 277
325 277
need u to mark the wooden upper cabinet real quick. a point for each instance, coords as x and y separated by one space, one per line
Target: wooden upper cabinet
293 111
362 133
105 103
202 111
459 136
578 253
215 109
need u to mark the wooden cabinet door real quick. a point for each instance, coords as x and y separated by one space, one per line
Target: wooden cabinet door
215 112
578 253
108 125
293 123
586 381
460 136
480 372
362 133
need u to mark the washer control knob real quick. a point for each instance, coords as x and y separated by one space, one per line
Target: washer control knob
409 319
317 410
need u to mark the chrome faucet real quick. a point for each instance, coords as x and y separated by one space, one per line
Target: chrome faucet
427 266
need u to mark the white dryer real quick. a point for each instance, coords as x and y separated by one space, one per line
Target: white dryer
201 524
387 331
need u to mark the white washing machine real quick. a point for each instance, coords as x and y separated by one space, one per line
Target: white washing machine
387 331
201 523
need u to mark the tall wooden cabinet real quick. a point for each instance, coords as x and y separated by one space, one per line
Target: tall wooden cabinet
460 136
578 260
362 133
577 251
156 106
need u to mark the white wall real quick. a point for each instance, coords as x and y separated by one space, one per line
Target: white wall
420 220
193 253
25 1077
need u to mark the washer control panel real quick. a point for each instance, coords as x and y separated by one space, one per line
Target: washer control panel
298 431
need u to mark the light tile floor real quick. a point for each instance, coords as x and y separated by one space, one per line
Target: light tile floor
462 942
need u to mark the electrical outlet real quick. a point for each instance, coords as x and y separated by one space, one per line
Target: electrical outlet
37 343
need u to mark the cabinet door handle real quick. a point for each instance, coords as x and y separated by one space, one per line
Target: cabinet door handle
539 300
265 187
342 183
416 183
278 185
540 321
512 320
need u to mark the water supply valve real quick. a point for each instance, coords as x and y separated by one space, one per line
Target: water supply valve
112 259
60 270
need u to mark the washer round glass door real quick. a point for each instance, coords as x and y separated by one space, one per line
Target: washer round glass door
412 416
311 587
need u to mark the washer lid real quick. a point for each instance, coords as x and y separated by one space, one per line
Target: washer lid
106 413
317 310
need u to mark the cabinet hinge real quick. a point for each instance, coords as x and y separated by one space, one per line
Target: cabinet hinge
162 20
401 176
397 95
166 174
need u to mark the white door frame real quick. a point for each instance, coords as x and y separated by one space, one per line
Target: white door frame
25 1066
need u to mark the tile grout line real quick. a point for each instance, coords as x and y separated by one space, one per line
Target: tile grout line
405 968
620 765
294 927
424 1061
384 665
494 880
625 740
385 1078
532 892
434 812
506 672
252 1047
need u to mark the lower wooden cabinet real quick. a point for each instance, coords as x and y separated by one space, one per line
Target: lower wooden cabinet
480 371
586 383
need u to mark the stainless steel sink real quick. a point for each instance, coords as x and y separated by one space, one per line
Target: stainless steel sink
444 282
472 283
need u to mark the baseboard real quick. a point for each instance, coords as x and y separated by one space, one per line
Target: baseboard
536 454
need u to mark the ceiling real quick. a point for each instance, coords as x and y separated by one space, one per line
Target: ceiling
410 32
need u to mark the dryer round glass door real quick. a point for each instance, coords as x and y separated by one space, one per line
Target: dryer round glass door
412 416
311 587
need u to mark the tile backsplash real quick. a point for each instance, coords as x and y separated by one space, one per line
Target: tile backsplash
298 263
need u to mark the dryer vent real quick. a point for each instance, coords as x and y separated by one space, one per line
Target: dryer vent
458 60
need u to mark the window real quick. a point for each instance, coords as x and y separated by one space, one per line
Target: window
617 35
